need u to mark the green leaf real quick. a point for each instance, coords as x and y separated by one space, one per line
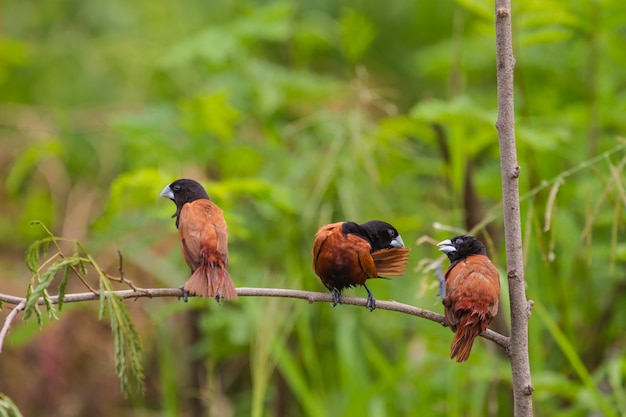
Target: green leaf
14 52
102 292
220 44
357 33
136 189
28 161
546 35
39 316
552 17
8 407
128 366
480 8
210 113
63 287
45 279
82 268
31 256
288 366
215 45
29 293
268 23
577 365
52 313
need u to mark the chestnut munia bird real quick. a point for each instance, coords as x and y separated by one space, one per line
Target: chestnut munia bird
472 292
347 254
203 239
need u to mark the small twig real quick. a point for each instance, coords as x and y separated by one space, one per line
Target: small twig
7 322
122 278
91 261
121 268
80 276
550 204
574 170
496 210
311 297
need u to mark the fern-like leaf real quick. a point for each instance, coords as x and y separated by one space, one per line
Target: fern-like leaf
8 407
44 281
37 311
32 254
82 268
52 311
63 287
128 347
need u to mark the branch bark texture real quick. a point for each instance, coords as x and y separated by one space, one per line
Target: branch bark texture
510 170
309 296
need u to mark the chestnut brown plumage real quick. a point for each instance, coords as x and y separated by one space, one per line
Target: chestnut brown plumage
346 254
203 236
472 292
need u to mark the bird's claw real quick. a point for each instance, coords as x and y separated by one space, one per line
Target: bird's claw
185 293
336 298
371 301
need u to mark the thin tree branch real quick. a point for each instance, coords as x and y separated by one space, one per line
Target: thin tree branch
311 297
7 323
510 171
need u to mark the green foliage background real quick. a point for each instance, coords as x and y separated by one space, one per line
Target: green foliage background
297 114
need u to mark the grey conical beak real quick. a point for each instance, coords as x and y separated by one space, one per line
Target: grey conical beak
397 242
167 193
446 246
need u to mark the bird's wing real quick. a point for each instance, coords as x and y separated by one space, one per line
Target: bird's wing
203 233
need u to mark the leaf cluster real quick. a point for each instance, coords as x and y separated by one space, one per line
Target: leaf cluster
46 260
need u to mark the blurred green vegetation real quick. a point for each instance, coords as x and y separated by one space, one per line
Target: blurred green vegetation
297 114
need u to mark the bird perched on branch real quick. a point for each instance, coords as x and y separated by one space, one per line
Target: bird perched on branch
347 254
472 292
203 240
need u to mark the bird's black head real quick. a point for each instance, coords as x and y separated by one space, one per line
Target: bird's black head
379 234
460 247
184 191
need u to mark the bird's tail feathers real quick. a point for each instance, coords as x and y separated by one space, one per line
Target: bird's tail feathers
211 281
391 262
469 327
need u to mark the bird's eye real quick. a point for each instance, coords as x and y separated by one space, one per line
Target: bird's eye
391 232
177 188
